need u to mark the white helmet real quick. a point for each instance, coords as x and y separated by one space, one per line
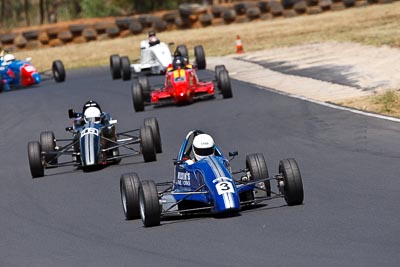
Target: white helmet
8 58
203 146
92 112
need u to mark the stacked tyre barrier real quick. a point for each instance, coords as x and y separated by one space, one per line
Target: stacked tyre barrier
186 17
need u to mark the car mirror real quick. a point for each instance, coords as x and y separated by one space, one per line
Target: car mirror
233 154
71 113
178 162
113 121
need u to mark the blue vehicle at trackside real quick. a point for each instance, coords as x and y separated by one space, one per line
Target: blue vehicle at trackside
208 185
21 73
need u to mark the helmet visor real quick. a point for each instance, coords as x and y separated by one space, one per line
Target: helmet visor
204 151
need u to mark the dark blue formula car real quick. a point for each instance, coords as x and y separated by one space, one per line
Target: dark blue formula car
95 142
208 185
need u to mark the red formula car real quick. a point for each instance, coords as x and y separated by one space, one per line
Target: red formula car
181 86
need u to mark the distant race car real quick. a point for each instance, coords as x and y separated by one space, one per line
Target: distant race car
153 60
208 186
21 73
181 86
94 142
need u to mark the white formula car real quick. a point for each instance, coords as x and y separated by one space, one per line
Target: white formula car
153 60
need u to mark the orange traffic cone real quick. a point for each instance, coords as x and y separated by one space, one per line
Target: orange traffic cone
239 46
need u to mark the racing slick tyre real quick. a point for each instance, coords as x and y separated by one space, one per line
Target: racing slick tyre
126 68
258 169
1 86
144 83
200 57
224 84
218 69
48 145
153 124
147 144
182 51
292 182
115 67
58 71
35 159
137 97
129 184
149 204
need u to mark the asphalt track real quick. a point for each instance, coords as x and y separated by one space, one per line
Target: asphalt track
349 163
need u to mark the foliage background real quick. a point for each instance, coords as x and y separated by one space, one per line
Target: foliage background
20 13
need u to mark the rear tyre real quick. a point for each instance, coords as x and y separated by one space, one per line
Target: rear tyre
58 71
225 84
258 169
126 68
137 97
115 67
144 83
35 159
1 86
129 184
182 50
147 144
218 69
200 57
48 145
153 124
149 204
292 182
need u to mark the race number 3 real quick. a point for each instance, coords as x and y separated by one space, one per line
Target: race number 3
224 187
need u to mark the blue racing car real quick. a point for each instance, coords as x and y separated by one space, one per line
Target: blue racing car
204 183
21 73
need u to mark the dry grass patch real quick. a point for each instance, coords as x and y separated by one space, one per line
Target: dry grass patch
372 25
387 103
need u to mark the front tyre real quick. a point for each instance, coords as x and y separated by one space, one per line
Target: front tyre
147 144
144 83
58 71
149 204
115 67
35 159
258 169
129 184
137 97
292 182
48 145
153 124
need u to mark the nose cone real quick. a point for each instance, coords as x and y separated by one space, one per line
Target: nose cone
36 77
182 94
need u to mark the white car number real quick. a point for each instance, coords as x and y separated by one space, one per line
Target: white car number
30 68
224 187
